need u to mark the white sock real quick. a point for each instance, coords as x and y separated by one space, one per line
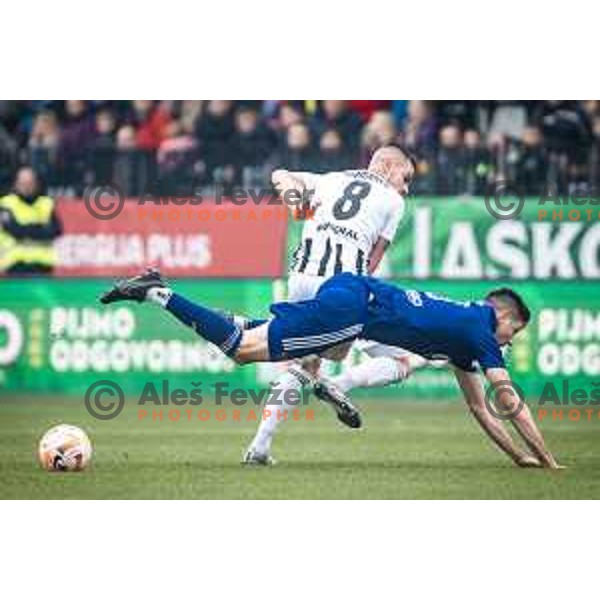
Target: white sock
374 372
266 430
159 295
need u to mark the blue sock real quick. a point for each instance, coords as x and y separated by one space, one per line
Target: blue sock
241 321
209 324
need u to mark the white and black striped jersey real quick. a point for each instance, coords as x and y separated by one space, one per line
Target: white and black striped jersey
352 209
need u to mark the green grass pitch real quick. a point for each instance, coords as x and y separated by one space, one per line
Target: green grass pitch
405 450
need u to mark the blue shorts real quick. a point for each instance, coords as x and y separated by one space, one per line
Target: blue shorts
337 314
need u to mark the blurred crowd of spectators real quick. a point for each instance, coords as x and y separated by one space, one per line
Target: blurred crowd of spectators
175 147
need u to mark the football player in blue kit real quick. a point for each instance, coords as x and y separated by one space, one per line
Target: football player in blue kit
470 335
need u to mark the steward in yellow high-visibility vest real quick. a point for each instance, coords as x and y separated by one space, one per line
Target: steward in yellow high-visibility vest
28 227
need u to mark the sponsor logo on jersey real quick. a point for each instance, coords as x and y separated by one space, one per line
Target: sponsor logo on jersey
338 230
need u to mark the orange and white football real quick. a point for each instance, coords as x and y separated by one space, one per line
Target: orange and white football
65 448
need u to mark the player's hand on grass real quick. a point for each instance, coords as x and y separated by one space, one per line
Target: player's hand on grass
550 463
528 461
556 467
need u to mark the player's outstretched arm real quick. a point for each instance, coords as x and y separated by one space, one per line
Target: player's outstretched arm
294 189
522 421
472 388
379 249
283 180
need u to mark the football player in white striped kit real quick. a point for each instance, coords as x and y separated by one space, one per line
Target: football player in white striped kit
354 216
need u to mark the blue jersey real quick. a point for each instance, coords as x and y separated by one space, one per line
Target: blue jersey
349 306
433 326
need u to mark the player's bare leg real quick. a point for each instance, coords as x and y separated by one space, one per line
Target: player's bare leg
302 372
378 371
294 379
243 346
